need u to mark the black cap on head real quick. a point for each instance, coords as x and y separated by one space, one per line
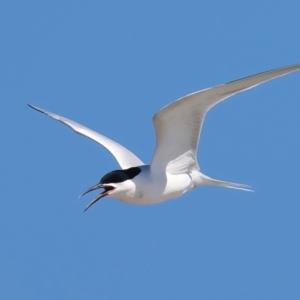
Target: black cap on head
120 175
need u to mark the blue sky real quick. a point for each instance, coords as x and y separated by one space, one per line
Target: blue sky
111 65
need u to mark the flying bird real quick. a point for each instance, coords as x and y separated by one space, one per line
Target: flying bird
174 169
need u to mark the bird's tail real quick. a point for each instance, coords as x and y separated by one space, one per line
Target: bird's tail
209 181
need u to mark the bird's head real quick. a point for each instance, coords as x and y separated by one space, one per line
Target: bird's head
113 183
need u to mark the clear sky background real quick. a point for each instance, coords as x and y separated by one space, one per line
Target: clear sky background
111 65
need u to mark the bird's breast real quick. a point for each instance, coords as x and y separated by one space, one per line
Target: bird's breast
155 188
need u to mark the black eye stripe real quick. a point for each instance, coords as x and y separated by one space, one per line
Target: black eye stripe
120 175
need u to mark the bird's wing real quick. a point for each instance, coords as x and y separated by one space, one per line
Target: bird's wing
178 124
125 158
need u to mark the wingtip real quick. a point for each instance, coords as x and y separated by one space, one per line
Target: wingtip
86 208
31 106
35 108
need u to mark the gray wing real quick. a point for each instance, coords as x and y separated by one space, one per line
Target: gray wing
125 158
178 125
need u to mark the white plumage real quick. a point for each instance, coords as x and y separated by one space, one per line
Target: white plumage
174 168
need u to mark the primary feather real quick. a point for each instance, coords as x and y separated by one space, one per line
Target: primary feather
124 157
178 125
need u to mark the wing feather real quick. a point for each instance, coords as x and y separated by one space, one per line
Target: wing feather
178 125
125 158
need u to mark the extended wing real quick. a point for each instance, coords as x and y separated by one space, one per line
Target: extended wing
178 125
125 158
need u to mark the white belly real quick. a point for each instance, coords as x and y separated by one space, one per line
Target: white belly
152 189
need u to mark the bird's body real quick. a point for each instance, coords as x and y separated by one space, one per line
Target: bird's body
152 188
174 169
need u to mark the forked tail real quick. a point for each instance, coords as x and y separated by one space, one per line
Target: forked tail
209 181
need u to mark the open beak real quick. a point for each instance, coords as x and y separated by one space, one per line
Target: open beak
106 191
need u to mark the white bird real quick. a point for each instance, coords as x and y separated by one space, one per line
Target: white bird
174 169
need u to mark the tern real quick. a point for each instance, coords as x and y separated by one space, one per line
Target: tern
174 169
